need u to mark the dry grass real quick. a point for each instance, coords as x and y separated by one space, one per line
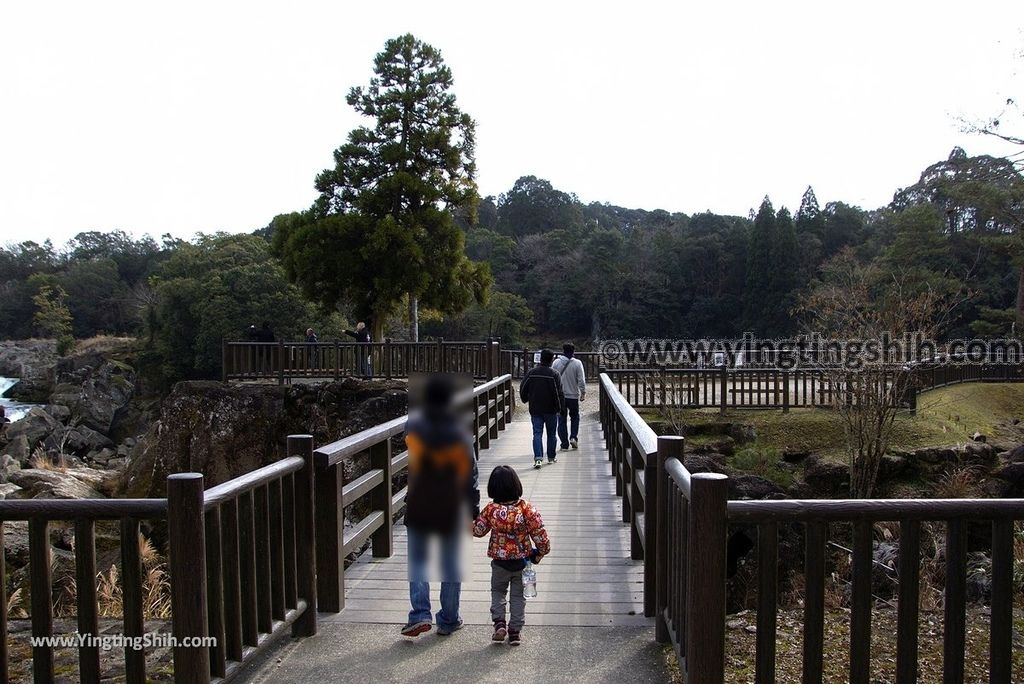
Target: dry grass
156 588
103 344
42 461
958 483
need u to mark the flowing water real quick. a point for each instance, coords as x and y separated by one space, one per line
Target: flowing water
13 410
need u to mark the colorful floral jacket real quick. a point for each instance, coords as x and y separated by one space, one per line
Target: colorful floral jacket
512 527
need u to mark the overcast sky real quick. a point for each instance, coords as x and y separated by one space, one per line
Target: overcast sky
182 117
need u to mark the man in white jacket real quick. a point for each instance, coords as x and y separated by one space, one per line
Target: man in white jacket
574 388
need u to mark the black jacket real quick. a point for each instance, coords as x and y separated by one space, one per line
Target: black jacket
442 473
362 336
542 390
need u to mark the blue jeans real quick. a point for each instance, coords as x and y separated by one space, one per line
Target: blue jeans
572 408
548 421
419 586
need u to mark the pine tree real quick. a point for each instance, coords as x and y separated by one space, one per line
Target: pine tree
759 268
786 274
391 196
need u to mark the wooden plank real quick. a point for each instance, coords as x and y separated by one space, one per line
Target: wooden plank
88 612
955 622
814 602
860 613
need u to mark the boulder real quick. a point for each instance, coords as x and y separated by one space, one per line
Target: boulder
61 414
705 463
94 388
978 437
1010 481
753 487
979 453
9 491
53 484
795 455
16 542
18 449
1015 455
8 464
76 439
742 432
827 478
894 467
33 362
34 428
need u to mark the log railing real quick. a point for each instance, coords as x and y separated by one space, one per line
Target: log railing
286 361
684 548
242 556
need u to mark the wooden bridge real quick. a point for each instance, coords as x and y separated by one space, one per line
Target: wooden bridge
639 559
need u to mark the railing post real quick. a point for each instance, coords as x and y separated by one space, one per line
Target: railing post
380 499
186 529
725 388
305 534
387 357
669 446
785 391
280 362
223 360
705 641
440 355
330 527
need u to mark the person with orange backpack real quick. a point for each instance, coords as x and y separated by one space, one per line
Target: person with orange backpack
442 492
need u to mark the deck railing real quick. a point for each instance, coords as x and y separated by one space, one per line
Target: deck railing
247 558
286 361
686 554
734 388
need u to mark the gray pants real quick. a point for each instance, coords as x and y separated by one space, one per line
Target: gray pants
503 580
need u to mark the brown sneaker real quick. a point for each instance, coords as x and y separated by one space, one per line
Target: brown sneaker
414 629
500 632
513 638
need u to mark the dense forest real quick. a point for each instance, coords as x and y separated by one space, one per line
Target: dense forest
560 269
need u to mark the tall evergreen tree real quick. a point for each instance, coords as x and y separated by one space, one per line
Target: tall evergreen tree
759 268
391 196
785 275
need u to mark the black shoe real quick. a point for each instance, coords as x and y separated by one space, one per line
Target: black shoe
500 631
565 447
537 463
553 459
446 630
575 443
514 638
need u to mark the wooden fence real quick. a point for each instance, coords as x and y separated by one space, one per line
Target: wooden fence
286 361
247 558
732 388
680 524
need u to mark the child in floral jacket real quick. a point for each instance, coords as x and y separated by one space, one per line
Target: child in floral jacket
517 535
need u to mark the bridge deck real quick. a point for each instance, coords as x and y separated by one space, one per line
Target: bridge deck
588 579
585 623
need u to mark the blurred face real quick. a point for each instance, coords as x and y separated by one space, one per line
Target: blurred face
309 331
360 325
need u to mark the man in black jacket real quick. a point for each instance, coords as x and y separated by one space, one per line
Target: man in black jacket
363 338
442 494
542 390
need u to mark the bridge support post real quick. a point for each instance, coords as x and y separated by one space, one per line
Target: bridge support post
186 529
705 598
669 446
330 528
305 534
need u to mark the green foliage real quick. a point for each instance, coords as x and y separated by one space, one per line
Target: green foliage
505 315
763 462
215 289
390 198
52 317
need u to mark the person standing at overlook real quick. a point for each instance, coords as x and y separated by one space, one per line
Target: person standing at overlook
574 389
363 338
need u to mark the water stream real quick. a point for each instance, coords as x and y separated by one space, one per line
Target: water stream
13 410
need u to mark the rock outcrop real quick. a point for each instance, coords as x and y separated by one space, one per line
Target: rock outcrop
33 362
224 431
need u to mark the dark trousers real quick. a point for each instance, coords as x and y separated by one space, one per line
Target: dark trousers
569 421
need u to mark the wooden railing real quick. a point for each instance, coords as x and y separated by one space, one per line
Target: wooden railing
286 361
733 388
684 548
247 558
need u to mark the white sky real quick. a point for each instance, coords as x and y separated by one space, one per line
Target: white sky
182 117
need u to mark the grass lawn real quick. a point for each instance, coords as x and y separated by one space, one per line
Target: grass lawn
944 416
